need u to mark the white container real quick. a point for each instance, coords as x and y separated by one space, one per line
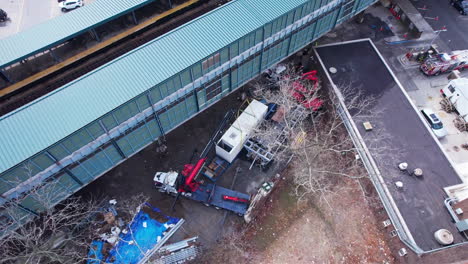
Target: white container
232 142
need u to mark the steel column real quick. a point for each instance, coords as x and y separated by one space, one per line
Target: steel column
27 209
134 18
116 146
57 59
5 77
156 117
196 99
67 171
95 34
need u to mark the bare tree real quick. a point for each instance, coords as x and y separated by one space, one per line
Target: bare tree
232 248
318 147
56 231
60 234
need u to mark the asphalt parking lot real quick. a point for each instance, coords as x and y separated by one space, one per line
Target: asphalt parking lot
402 137
423 90
26 13
428 96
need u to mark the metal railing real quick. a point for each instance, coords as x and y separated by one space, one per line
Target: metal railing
372 169
369 163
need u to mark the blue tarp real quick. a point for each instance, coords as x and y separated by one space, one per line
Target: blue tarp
139 239
95 252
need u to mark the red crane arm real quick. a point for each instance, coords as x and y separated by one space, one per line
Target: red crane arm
189 181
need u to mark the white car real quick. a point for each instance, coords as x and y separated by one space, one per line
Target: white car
70 4
434 122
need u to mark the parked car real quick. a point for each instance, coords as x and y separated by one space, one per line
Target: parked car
434 122
3 16
460 5
67 5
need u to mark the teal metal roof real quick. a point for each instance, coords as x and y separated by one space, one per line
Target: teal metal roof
269 10
53 32
36 126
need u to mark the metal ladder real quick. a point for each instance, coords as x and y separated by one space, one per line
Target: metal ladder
178 252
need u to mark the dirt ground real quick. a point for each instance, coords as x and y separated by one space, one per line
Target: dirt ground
347 230
344 230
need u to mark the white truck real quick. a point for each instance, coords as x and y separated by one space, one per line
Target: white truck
457 92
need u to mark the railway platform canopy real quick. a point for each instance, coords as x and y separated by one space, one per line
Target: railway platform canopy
55 31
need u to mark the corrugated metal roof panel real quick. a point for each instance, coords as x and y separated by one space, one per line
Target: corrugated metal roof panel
269 10
42 36
51 118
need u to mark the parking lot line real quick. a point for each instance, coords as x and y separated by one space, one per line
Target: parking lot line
20 17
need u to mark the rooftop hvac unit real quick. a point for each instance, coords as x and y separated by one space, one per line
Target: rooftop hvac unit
402 252
387 223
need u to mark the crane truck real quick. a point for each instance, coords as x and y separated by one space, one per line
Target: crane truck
227 148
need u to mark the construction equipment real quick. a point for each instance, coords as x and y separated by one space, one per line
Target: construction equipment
187 183
232 142
445 63
306 96
263 149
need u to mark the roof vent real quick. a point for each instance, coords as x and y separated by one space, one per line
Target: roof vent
418 172
403 166
399 184
333 70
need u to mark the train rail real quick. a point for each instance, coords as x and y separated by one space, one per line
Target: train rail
37 85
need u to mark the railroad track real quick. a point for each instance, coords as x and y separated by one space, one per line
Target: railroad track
57 79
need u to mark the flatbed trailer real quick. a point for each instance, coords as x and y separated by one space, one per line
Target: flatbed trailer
212 195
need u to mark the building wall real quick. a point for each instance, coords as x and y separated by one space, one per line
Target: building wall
60 170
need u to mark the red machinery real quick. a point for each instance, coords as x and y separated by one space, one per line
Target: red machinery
208 193
235 199
190 172
304 95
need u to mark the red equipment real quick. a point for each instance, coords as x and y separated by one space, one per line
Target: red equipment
190 172
300 93
235 199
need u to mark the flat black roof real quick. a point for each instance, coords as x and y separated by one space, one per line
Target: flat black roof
402 136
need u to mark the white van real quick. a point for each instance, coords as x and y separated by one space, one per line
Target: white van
434 122
457 92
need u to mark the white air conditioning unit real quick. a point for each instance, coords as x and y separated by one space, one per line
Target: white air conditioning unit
387 223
